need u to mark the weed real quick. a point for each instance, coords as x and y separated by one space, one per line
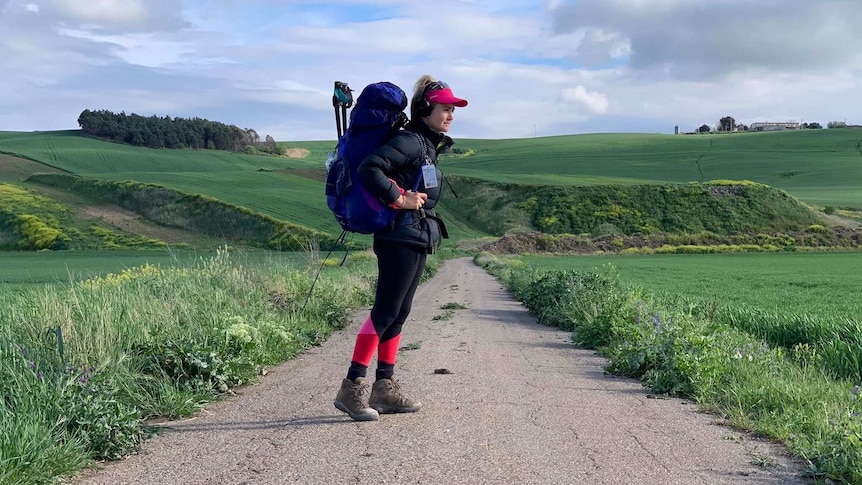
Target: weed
453 306
762 460
443 316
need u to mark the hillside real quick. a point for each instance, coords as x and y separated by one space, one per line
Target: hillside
818 167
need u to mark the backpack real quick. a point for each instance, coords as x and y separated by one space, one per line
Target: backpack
377 116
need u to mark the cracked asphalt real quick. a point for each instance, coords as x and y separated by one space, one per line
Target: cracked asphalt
521 405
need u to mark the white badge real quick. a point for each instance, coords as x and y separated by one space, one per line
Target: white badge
429 173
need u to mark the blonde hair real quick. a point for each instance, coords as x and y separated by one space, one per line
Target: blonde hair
418 91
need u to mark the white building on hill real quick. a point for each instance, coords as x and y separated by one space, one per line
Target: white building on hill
773 126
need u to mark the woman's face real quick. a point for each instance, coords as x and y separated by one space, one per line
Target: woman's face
441 117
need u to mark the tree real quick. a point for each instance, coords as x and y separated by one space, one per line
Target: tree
814 126
251 137
727 123
269 145
164 132
836 124
704 128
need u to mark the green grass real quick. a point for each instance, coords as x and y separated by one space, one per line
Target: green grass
820 167
260 183
21 269
16 169
61 267
82 365
72 152
823 283
277 194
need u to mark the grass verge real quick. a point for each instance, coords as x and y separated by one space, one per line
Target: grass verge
756 385
83 366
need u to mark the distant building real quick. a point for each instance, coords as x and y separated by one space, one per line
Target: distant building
773 126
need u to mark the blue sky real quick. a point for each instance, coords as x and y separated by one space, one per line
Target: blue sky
546 67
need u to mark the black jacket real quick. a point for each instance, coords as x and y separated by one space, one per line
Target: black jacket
401 160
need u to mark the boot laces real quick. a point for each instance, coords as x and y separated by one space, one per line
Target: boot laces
358 393
395 386
399 398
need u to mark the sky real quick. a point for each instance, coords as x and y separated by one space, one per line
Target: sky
528 68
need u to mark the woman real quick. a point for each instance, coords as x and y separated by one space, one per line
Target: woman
400 252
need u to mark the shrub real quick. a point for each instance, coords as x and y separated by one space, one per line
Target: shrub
591 304
816 228
718 207
606 229
36 234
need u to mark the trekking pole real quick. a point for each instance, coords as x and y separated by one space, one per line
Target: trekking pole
337 121
342 97
338 240
343 119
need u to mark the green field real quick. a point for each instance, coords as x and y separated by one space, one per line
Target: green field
20 269
820 167
51 267
810 283
260 183
72 152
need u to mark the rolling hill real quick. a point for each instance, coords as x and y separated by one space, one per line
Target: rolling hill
818 167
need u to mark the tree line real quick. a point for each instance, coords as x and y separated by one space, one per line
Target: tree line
166 132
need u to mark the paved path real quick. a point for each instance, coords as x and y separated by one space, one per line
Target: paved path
522 405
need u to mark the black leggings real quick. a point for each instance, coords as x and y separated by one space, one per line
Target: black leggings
399 268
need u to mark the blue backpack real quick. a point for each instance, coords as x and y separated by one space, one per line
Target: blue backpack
377 117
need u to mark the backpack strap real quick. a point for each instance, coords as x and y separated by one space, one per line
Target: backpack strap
427 160
424 158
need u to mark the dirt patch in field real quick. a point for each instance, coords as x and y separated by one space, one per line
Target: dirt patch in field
130 222
840 220
17 168
318 174
297 152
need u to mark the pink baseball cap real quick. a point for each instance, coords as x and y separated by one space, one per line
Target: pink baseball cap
443 95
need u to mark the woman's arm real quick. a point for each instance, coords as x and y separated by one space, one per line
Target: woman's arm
378 170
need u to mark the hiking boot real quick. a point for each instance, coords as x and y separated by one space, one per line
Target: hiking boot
353 400
386 398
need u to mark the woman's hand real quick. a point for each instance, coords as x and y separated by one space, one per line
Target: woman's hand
411 200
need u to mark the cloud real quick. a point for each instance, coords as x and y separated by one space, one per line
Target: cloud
114 16
595 102
705 39
528 68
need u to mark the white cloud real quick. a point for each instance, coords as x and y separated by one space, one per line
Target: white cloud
595 102
705 39
110 11
528 68
141 49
